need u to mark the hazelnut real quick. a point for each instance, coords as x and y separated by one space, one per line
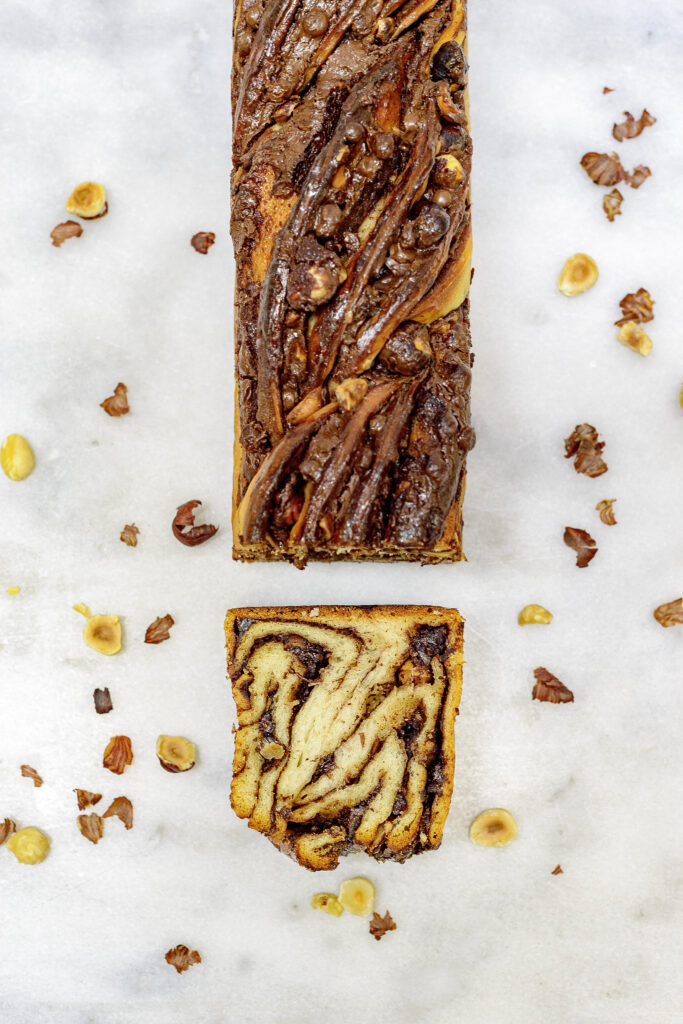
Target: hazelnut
328 220
243 42
442 197
384 30
534 614
103 634
382 145
29 845
351 392
327 902
448 171
176 754
253 16
368 166
495 827
13 590
579 273
315 276
354 132
449 64
272 751
341 177
16 457
431 224
88 200
357 895
315 23
635 337
408 350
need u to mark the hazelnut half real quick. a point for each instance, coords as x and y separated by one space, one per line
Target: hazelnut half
176 754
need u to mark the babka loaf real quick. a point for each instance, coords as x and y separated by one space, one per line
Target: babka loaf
345 737
351 229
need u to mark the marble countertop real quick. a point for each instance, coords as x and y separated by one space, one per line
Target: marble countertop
136 95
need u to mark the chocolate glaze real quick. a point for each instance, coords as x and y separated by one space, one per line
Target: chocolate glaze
343 118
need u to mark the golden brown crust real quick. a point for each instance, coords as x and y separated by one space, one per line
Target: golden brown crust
353 247
345 738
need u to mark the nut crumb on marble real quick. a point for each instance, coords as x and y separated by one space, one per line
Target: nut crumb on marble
631 127
16 457
634 337
670 614
606 89
493 827
603 168
90 826
381 924
557 870
534 614
184 529
31 773
176 753
118 754
29 845
606 511
158 631
581 542
182 958
117 404
88 200
122 808
636 307
583 446
550 689
579 273
7 828
68 229
103 702
202 241
129 535
86 798
611 204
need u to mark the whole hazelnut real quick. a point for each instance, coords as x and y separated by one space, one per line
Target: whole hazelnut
382 145
431 224
368 166
408 349
328 220
315 23
354 131
253 16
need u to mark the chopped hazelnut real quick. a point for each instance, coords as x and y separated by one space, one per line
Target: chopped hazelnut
381 924
604 508
129 535
611 204
122 808
495 827
583 446
31 773
29 845
103 634
328 903
182 958
88 200
636 306
634 337
582 542
184 529
68 229
90 826
13 590
630 128
557 870
158 631
534 613
118 754
550 689
86 798
102 698
117 404
603 168
670 614
7 828
351 392
202 241
16 457
579 273
176 754
357 895
272 751
638 175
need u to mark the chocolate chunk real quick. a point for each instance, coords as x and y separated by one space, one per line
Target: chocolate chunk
328 221
382 145
429 642
407 350
449 64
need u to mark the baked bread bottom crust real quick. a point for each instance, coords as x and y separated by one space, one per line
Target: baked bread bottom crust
345 737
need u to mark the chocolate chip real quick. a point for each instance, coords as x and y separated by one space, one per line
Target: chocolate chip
315 23
328 220
431 224
368 166
408 349
253 17
354 131
442 197
382 145
449 64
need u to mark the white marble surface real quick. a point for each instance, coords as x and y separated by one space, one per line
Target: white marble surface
134 93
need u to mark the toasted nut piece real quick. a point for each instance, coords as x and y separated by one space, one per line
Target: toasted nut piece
635 337
13 590
103 634
351 392
272 751
90 826
82 609
16 457
579 273
88 200
29 845
495 827
176 754
357 895
7 828
118 754
327 902
534 613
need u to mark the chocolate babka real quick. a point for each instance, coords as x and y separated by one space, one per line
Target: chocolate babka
351 228
345 738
